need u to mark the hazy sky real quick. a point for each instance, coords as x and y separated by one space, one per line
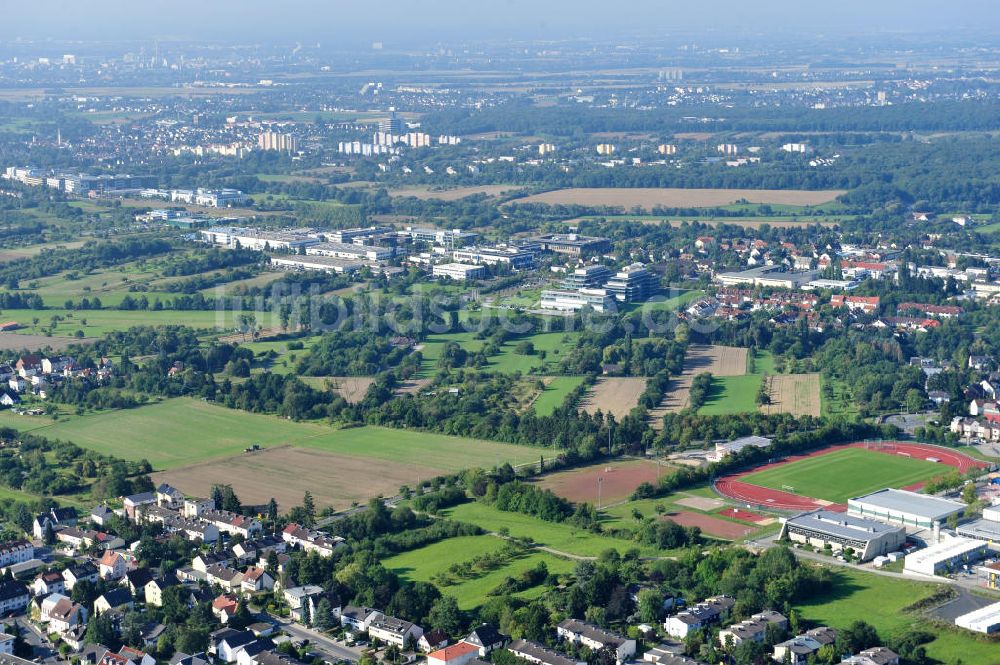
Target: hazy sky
423 21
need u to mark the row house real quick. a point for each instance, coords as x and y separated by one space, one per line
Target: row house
596 638
14 596
798 650
753 629
863 304
972 429
16 551
311 541
232 523
710 611
260 548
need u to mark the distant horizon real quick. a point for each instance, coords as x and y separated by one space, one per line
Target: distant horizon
409 25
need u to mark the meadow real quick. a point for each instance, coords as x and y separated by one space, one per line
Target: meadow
845 473
557 389
422 564
182 431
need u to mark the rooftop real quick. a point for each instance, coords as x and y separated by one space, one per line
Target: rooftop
841 524
904 501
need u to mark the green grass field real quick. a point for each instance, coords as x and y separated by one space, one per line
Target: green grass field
551 344
738 394
422 564
182 431
561 537
845 473
555 394
879 600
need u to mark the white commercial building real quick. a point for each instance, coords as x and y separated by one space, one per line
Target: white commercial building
904 507
515 257
984 620
867 538
329 264
944 556
732 447
572 301
459 271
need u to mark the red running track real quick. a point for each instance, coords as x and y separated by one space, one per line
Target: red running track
732 487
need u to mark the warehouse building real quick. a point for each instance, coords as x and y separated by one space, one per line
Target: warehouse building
867 538
984 620
904 507
947 555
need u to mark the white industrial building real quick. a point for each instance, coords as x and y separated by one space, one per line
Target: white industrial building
343 250
867 538
515 257
904 507
257 239
459 271
984 620
944 556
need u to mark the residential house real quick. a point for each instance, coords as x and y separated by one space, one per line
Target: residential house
80 572
224 607
873 656
251 550
55 517
863 304
225 577
136 657
136 580
596 638
432 640
311 541
456 654
394 631
14 596
48 583
204 560
112 566
9 398
132 504
62 614
251 653
7 643
154 590
487 638
114 599
169 497
181 658
751 630
16 551
256 579
194 508
101 515
225 644
801 647
233 524
75 538
710 611
357 618
539 654
297 597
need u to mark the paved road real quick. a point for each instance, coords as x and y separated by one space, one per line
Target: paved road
320 642
39 642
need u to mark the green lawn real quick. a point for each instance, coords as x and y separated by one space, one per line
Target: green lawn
182 431
555 394
879 600
101 322
561 537
422 564
846 473
841 404
732 394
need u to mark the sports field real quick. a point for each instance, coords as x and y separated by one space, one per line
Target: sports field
845 473
422 564
183 431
